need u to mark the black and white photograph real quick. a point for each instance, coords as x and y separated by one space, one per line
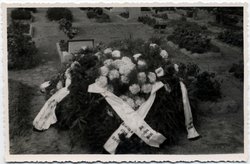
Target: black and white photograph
161 82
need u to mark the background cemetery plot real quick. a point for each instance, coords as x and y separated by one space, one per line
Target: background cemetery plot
220 122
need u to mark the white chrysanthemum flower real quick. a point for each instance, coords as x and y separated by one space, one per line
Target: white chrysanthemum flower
113 74
134 89
176 67
126 59
104 71
141 63
136 56
101 81
142 77
146 88
124 70
107 51
139 101
164 54
116 54
110 88
118 63
124 79
108 62
152 45
152 77
131 103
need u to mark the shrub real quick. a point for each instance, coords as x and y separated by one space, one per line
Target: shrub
192 40
66 27
163 16
24 28
98 11
63 45
231 37
21 48
189 14
102 18
91 14
206 88
222 15
124 15
59 13
147 20
20 14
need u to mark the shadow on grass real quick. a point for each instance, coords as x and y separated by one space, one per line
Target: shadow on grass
20 96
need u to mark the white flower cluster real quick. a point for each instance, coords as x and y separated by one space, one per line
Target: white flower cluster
127 66
129 101
108 62
104 71
142 78
101 81
146 88
113 74
134 89
164 54
152 77
139 101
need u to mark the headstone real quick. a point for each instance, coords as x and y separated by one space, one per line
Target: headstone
134 14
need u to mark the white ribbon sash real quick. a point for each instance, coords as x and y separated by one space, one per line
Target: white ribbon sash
192 133
133 120
113 140
47 116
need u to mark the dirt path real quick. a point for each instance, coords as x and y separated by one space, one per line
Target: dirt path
221 132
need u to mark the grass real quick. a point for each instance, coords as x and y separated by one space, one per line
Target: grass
20 96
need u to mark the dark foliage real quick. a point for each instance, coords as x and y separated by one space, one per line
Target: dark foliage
231 37
66 27
124 15
163 16
103 17
24 28
189 14
147 20
57 14
206 88
188 36
63 45
91 14
223 15
17 14
237 70
21 49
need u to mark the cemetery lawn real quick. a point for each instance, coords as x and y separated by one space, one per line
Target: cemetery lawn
221 131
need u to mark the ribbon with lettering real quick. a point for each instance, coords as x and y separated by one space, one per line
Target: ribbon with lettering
133 121
47 116
192 133
113 141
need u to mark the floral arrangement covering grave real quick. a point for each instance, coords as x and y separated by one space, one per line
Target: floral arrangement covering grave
119 102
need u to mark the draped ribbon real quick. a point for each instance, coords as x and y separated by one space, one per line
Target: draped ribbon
192 133
133 120
112 144
47 115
